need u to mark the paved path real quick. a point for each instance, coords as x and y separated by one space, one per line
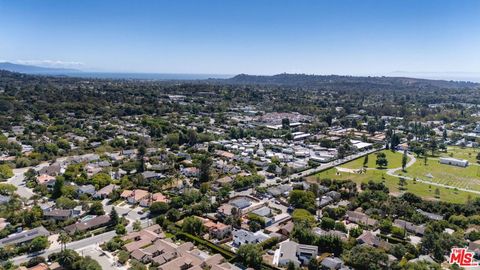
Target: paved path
105 259
18 180
409 164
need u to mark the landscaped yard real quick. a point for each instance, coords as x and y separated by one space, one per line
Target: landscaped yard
394 161
420 189
468 177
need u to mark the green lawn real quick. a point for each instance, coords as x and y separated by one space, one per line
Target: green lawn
394 161
469 154
468 177
420 189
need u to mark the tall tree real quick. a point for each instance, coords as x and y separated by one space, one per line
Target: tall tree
250 255
382 161
205 164
57 188
286 123
404 160
63 238
114 219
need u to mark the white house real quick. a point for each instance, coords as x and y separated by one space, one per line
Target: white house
454 161
241 237
298 254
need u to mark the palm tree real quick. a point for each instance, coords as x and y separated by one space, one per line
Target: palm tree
63 238
67 257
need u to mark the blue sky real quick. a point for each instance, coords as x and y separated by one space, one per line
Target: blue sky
249 36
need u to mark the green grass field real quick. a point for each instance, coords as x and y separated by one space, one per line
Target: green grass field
417 188
394 161
469 154
468 177
420 189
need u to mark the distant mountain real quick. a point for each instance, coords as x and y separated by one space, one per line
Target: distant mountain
36 70
28 69
327 81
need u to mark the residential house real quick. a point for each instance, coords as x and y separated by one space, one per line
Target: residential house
324 201
156 197
332 263
23 237
216 230
241 237
224 180
224 154
92 169
45 179
59 214
190 171
86 190
369 238
334 195
142 238
361 218
130 153
105 191
263 211
134 196
410 227
298 254
89 224
343 236
151 175
53 170
429 215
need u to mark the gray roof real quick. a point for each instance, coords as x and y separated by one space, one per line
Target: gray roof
247 236
335 233
90 224
150 174
264 211
58 213
359 217
106 190
325 201
278 190
240 203
410 227
53 169
333 194
87 189
24 236
288 252
332 263
429 215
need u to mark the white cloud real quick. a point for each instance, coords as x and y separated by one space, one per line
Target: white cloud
50 63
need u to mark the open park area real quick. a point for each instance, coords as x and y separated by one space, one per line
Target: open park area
457 152
434 171
442 174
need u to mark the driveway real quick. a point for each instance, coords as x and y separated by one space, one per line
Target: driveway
18 180
105 260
